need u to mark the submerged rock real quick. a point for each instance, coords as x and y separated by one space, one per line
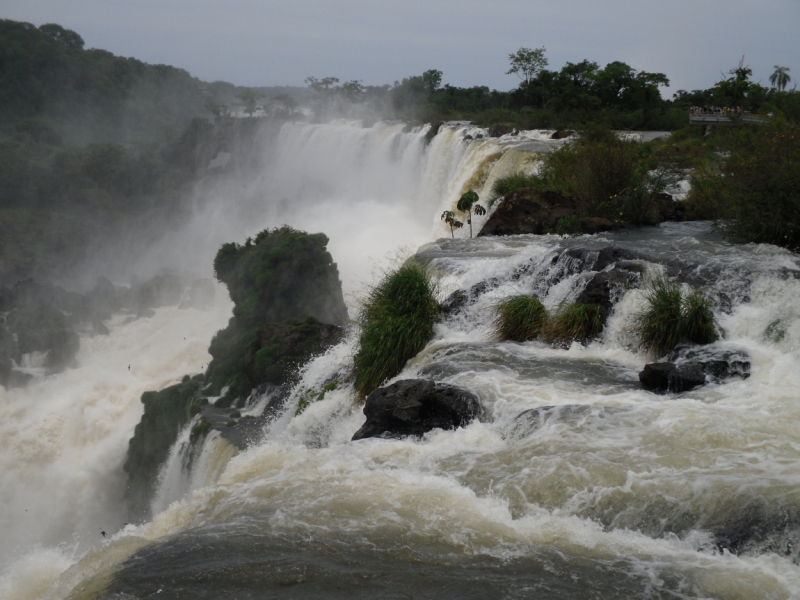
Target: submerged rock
691 367
415 406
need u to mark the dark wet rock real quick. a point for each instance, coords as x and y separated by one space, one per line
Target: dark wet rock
528 211
416 406
562 134
433 131
104 300
600 259
42 328
162 290
691 367
166 412
454 302
500 130
669 209
606 288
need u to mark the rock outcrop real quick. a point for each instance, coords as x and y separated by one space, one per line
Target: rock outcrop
691 367
528 211
416 406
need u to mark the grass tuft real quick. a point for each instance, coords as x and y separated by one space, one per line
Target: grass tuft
574 322
520 319
396 323
671 319
511 183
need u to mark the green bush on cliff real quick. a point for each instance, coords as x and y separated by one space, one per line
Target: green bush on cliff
396 323
520 319
282 274
670 318
286 291
165 413
511 183
613 178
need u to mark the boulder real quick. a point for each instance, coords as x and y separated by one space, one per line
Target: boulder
500 130
606 288
669 209
162 290
689 367
562 134
415 406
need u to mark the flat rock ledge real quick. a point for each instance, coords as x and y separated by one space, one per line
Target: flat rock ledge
416 406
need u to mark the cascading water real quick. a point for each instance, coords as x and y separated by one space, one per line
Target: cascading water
615 493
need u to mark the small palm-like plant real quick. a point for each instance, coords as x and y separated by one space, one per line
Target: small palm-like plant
468 203
519 319
780 78
449 217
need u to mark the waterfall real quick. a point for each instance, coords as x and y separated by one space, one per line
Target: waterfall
615 492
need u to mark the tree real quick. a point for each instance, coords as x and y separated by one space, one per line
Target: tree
526 63
249 98
780 78
449 217
468 203
431 81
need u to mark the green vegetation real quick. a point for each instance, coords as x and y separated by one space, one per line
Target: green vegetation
574 322
309 396
520 319
283 273
165 414
468 203
396 323
613 178
511 183
670 319
755 191
449 217
285 288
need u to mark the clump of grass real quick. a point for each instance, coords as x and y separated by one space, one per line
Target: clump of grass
574 322
520 319
671 318
511 183
396 323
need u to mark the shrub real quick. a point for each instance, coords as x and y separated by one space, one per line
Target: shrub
520 319
755 191
511 183
396 323
574 322
671 319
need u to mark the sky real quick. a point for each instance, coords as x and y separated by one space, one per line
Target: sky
278 42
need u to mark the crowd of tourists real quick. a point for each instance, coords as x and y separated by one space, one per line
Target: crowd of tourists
719 111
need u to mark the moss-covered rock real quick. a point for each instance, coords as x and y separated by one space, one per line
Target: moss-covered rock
245 357
165 414
282 274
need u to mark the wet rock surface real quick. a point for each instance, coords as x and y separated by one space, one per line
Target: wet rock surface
416 406
691 367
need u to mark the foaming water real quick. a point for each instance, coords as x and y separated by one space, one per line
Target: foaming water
615 492
64 438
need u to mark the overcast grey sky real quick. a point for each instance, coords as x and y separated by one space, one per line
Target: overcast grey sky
275 42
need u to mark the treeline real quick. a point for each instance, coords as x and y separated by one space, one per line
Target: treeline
615 95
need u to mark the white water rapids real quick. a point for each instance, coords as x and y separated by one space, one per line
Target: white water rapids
618 495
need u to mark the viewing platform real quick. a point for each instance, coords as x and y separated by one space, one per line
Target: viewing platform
725 119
